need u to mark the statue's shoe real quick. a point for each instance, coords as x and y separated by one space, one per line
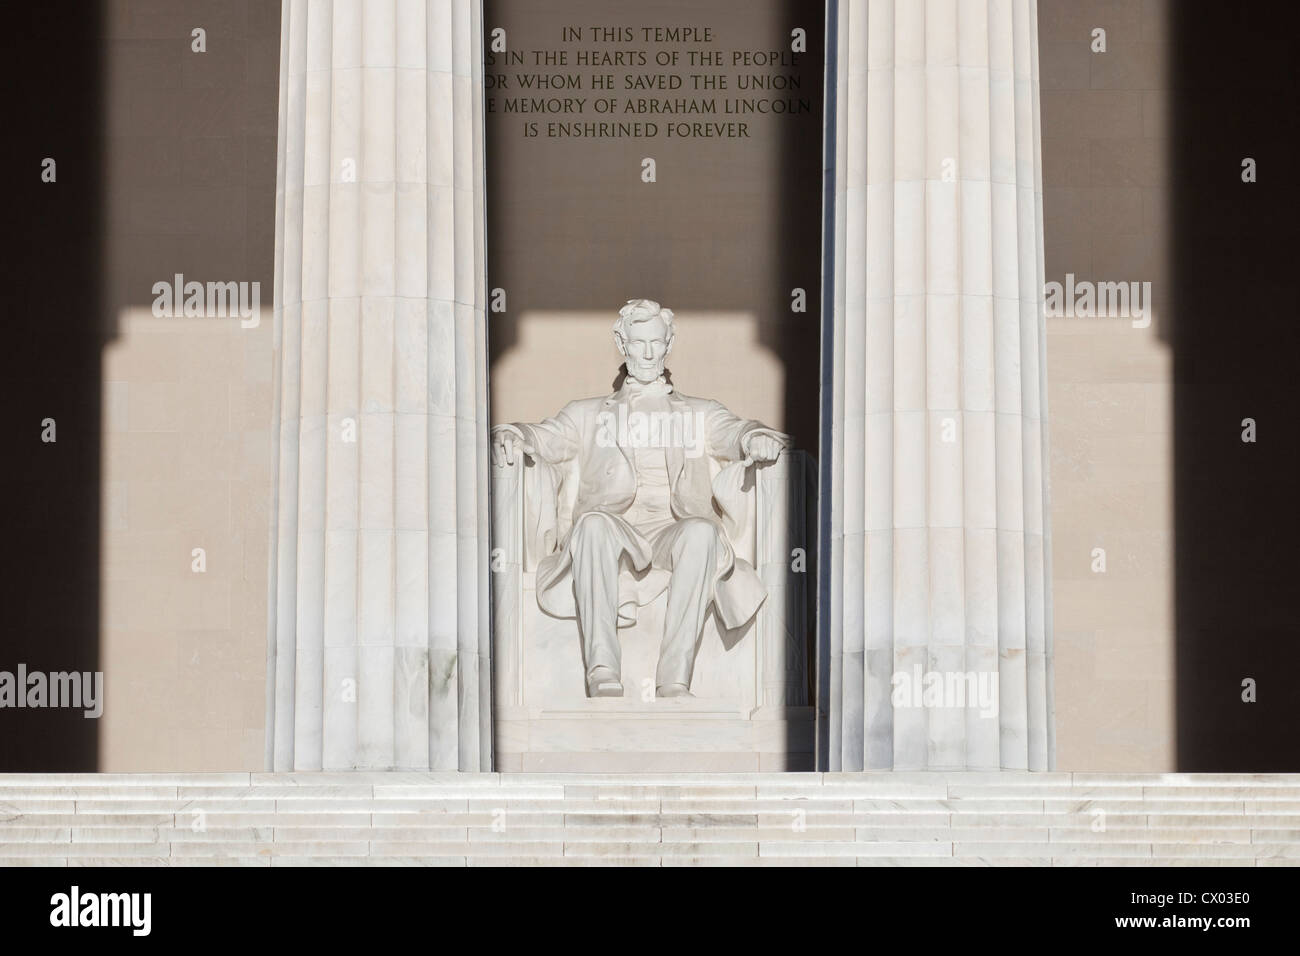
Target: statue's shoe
673 690
603 682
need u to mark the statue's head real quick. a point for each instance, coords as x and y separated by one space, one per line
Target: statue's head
644 336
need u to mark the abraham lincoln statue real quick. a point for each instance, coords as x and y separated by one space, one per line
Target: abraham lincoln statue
658 497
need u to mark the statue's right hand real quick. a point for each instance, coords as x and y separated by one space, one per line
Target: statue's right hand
505 439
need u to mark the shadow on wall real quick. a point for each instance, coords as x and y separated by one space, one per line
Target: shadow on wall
1235 84
752 385
53 317
165 164
713 234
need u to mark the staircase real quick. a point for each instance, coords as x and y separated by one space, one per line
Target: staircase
840 819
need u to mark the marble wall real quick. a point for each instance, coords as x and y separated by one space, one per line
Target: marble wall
1104 122
187 402
190 181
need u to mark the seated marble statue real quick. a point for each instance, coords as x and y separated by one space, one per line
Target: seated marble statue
658 506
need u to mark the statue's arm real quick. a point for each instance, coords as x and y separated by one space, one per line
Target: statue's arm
730 436
553 441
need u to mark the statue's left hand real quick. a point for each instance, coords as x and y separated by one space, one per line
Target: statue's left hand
505 439
762 446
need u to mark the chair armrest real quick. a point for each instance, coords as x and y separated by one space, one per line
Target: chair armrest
524 513
783 561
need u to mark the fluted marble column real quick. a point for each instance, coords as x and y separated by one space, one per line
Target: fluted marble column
939 563
378 651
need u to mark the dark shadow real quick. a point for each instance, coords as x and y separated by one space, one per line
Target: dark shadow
1235 335
51 308
802 215
819 512
165 164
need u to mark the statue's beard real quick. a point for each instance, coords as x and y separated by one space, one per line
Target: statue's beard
645 374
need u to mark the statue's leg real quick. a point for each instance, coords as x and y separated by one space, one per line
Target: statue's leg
693 560
596 551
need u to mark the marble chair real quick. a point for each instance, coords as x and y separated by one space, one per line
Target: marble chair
751 688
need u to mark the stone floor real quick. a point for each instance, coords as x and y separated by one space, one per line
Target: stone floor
842 819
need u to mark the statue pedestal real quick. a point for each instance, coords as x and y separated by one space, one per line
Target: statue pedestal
749 710
612 735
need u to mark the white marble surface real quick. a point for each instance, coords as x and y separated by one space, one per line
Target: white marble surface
650 819
939 543
378 653
750 708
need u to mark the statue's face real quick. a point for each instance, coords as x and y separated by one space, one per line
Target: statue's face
645 348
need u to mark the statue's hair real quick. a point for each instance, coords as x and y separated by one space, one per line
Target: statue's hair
641 310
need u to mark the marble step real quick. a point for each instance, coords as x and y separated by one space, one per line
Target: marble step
761 819
316 779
